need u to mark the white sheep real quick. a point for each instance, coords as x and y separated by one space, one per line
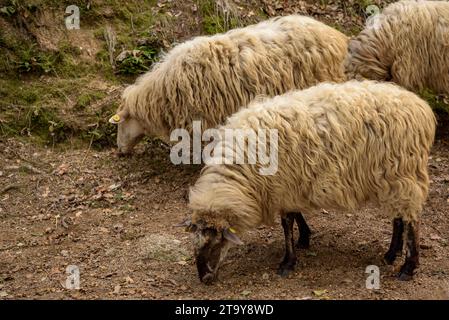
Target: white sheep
339 146
408 43
210 78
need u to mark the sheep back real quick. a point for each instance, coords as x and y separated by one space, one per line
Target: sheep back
209 78
408 43
339 146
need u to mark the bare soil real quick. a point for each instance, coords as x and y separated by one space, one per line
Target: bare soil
114 217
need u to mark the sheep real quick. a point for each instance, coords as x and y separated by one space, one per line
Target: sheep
339 146
408 43
211 77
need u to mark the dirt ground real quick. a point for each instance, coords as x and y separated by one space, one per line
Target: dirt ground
114 217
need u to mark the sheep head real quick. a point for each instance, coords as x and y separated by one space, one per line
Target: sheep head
211 246
129 132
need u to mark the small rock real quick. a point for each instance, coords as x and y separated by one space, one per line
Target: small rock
104 230
265 276
117 213
3 294
64 253
118 227
425 246
434 236
129 280
123 55
62 169
117 289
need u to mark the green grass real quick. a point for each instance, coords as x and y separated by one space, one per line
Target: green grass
64 104
213 20
46 95
87 98
439 103
42 111
139 62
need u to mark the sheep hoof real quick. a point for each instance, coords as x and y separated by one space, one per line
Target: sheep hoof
284 272
285 269
403 276
303 244
208 278
407 270
389 258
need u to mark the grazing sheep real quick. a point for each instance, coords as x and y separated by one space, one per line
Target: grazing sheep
339 147
209 78
408 43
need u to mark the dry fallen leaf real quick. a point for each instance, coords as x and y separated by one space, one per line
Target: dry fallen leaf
46 192
114 186
246 293
319 293
62 169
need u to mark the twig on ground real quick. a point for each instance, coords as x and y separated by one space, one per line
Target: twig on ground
88 150
10 187
111 41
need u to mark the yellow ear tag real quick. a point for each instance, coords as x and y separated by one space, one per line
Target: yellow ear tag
116 117
232 230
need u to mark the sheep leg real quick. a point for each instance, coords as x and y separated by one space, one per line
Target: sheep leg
411 238
289 261
396 241
304 232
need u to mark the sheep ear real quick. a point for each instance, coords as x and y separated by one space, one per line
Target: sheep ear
187 224
230 235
